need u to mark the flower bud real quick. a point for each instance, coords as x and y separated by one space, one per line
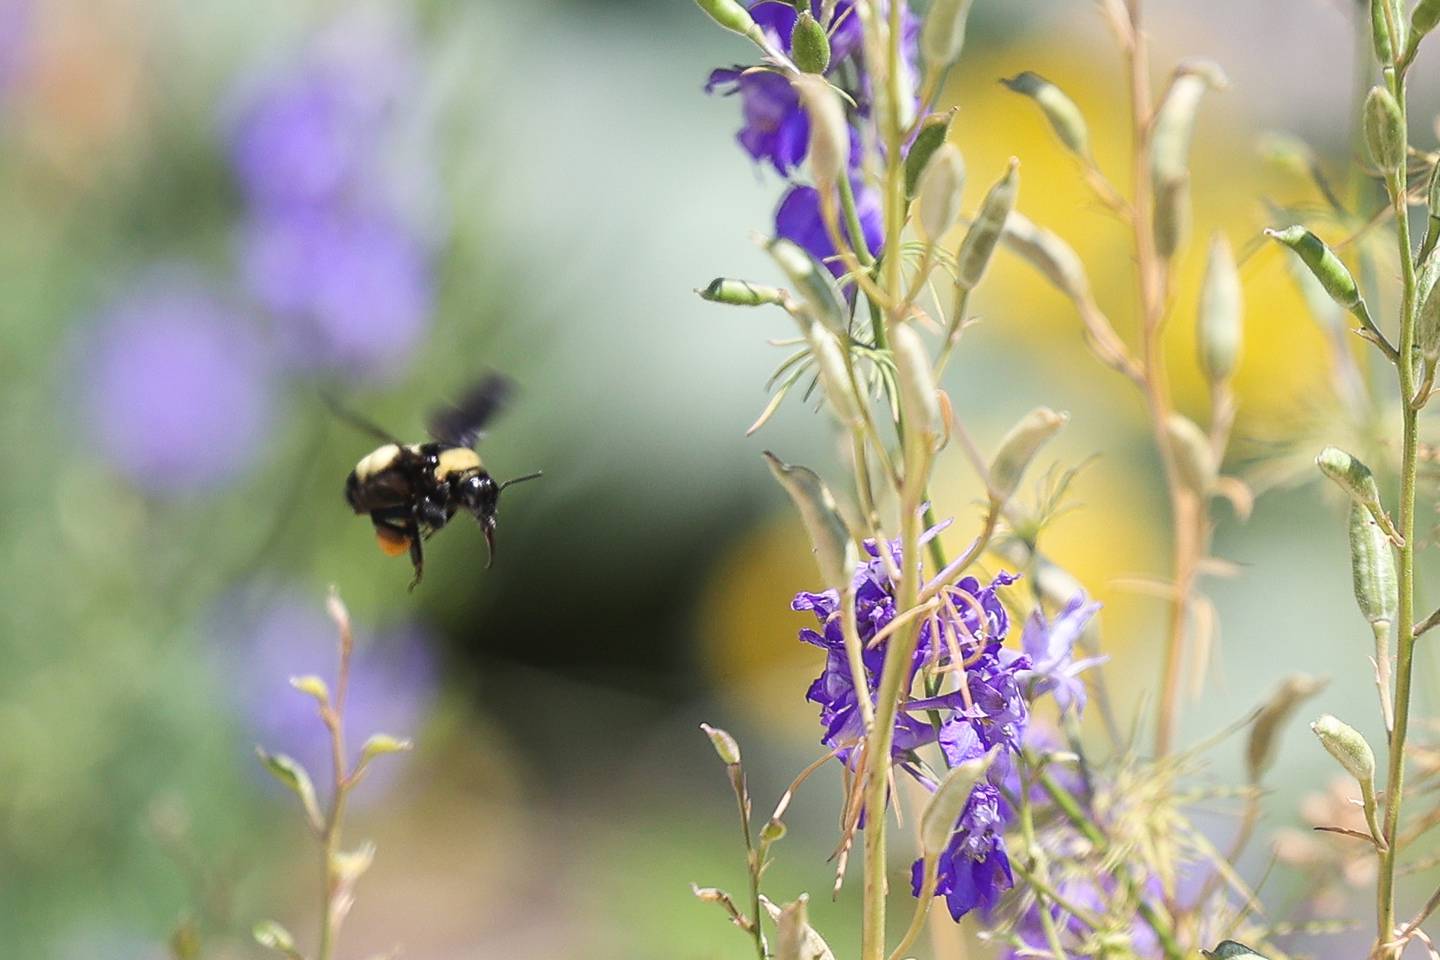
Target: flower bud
829 131
730 15
1019 447
1174 123
1424 18
938 193
937 822
741 293
1352 476
813 282
1380 31
1218 322
1384 130
725 746
1194 459
1065 117
1272 717
1324 265
829 537
979 244
1046 252
773 831
379 744
294 777
919 401
1172 214
834 376
927 141
1231 950
809 46
272 936
1372 568
943 35
312 686
1345 744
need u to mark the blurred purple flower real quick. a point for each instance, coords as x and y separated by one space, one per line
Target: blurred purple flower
177 388
775 129
1091 894
16 24
1050 645
392 679
798 220
345 291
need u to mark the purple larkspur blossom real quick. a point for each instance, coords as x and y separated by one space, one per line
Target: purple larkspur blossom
178 387
16 26
264 641
1050 646
345 291
1091 894
798 219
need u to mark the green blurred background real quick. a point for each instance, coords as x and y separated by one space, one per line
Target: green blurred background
535 188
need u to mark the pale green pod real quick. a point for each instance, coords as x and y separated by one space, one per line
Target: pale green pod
829 130
834 376
741 293
725 746
790 931
293 775
1351 475
1427 314
1219 322
927 141
1384 130
943 35
812 281
1174 124
1271 719
313 686
1380 32
1423 19
1194 459
1046 252
978 246
1372 568
1333 275
834 548
1065 117
919 399
1019 447
1348 747
809 45
937 822
1231 950
1432 209
731 15
1172 214
937 197
380 744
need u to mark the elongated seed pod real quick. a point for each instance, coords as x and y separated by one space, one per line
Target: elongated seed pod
741 293
1424 18
942 36
1065 117
834 377
730 15
1345 744
1270 721
812 281
1385 52
919 400
1046 252
927 141
1172 214
978 246
1427 318
829 130
725 746
1174 124
1019 447
1194 460
1333 275
835 552
1372 568
937 198
1384 130
1219 320
809 45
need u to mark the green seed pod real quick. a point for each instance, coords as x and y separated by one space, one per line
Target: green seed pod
938 194
1174 124
1345 744
829 130
814 283
312 686
790 930
1423 19
730 15
1270 721
1380 31
927 141
979 244
937 822
943 35
741 293
1327 268
919 400
725 746
834 548
1218 321
1427 318
1046 252
1372 569
1172 214
809 46
1019 447
834 376
772 832
1194 460
1432 207
1231 950
1384 130
1065 117
1351 475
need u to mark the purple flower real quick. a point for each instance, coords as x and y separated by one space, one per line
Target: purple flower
798 220
1088 893
346 291
264 641
1050 645
178 390
16 25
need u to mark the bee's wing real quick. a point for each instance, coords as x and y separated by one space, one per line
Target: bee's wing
355 420
462 423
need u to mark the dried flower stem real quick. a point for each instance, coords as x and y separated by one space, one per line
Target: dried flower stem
333 715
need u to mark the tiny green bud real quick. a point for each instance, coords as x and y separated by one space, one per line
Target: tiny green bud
1172 214
1372 567
943 35
730 15
1019 447
1065 117
1326 267
809 46
938 193
1346 745
1174 124
919 399
834 376
1231 950
1218 322
813 281
313 686
979 244
380 744
741 293
1424 18
927 141
1384 130
937 822
725 746
773 831
272 936
1271 719
1194 459
1380 31
829 536
293 776
829 131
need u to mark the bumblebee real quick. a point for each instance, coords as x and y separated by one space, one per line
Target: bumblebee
411 490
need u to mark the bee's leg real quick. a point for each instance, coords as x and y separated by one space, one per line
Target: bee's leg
417 555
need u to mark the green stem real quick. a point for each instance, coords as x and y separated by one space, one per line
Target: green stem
852 224
1041 867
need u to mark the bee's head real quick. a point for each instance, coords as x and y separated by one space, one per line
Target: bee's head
480 495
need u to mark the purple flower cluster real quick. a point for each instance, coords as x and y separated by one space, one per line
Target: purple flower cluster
987 709
324 248
776 130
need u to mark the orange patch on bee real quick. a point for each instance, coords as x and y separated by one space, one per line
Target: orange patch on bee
391 543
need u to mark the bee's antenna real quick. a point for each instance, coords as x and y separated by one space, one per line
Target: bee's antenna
529 476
